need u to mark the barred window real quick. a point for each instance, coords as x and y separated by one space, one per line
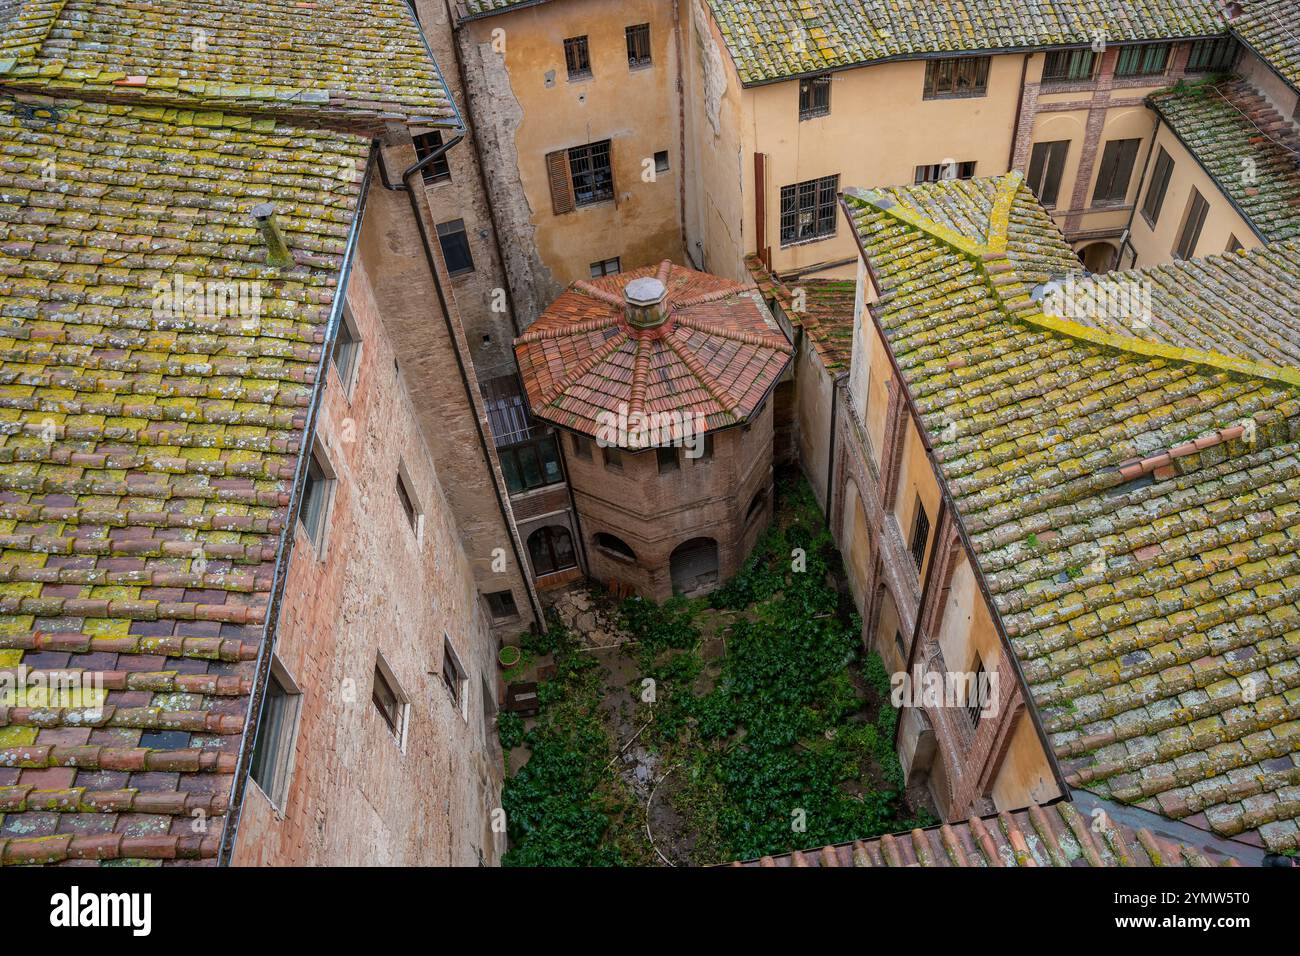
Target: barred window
808 209
1069 66
593 178
957 76
814 96
577 59
638 46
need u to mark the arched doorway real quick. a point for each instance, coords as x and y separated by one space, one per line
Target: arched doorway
693 566
1098 257
550 548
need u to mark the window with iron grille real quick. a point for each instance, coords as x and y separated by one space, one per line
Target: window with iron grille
1212 56
1069 66
975 702
957 76
814 96
1155 200
593 178
638 46
920 535
808 210
937 172
577 59
437 171
1143 59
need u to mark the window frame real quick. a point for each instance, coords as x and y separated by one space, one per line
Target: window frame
577 58
1072 57
588 153
599 269
633 35
455 677
612 458
397 722
581 445
512 458
284 732
496 604
918 541
314 512
598 541
451 233
1162 171
345 355
933 172
817 197
409 501
1141 52
1198 209
814 96
438 171
667 460
1051 170
975 707
1121 160
1221 58
943 76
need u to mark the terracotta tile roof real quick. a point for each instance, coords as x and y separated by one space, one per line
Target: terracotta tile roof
823 307
1056 835
1272 29
771 39
147 456
718 355
362 60
1134 504
1247 147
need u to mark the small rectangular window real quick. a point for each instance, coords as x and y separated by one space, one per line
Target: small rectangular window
1234 244
389 699
453 675
407 500
577 59
975 705
661 161
1142 59
502 605
581 446
814 96
808 210
531 464
613 458
347 350
638 46
1116 171
1046 165
276 733
606 267
920 535
957 76
425 145
666 458
1193 221
938 172
1069 66
317 492
1212 56
706 448
455 247
1159 185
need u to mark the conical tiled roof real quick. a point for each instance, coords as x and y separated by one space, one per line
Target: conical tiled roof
718 353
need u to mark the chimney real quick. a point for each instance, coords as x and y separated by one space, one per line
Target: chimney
1233 10
277 250
644 300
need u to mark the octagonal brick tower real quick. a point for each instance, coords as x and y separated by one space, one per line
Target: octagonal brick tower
662 378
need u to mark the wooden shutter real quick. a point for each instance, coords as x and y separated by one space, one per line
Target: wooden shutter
557 172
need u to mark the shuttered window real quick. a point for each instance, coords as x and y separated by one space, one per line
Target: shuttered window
557 173
1045 167
1159 185
1116 170
580 176
1144 59
1190 235
957 76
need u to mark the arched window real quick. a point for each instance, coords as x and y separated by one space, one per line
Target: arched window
615 546
551 549
693 566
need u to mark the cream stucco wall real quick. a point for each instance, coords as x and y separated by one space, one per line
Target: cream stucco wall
1154 246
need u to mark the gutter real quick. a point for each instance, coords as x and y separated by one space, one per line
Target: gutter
948 501
284 550
502 506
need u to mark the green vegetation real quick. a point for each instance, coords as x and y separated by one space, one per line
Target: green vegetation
785 741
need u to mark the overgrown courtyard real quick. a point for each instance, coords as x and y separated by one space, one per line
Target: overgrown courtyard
708 730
